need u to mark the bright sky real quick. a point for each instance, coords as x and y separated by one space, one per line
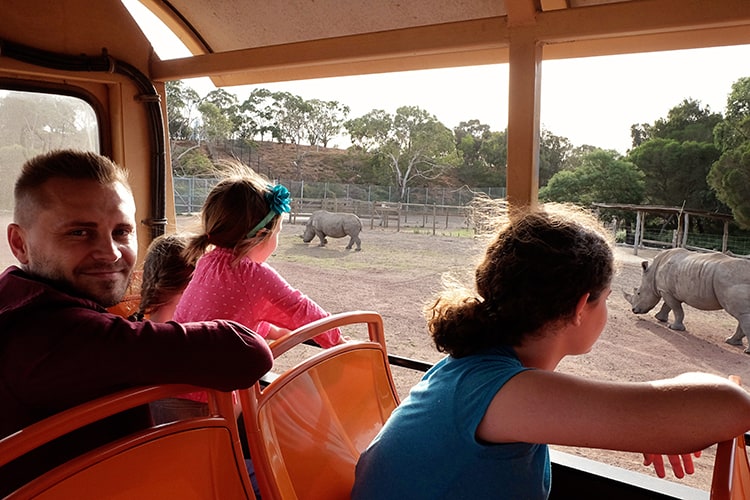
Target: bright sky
590 100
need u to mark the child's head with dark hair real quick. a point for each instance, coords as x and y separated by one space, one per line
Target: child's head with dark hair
165 273
537 268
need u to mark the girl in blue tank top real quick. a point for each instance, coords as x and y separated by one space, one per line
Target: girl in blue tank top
478 423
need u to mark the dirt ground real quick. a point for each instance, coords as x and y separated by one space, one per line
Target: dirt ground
396 273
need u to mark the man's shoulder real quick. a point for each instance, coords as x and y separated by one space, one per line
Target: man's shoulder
21 290
11 272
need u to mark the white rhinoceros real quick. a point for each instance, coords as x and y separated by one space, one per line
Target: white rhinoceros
336 225
706 281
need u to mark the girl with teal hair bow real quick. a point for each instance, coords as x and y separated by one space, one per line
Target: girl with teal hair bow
241 222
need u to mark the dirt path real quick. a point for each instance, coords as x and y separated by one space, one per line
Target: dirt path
395 274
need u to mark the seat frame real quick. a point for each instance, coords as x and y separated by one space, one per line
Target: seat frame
731 475
220 425
266 463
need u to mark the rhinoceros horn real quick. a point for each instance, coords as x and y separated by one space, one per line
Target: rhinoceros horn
629 297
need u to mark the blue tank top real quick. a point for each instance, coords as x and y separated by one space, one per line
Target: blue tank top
428 448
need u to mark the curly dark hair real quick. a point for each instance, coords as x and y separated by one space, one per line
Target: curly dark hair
534 272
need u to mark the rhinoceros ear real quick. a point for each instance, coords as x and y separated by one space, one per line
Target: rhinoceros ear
644 265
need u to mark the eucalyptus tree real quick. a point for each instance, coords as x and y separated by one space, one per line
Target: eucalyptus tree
221 114
216 125
289 114
257 115
182 110
325 121
484 154
412 143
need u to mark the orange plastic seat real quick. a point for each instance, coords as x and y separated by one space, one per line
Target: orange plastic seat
196 458
731 477
132 300
307 428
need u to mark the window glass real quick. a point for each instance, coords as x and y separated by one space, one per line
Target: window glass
32 123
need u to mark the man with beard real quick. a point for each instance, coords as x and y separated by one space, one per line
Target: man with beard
74 236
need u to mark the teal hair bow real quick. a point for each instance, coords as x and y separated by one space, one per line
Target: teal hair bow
278 199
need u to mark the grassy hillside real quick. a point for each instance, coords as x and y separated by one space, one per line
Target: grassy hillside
276 161
288 162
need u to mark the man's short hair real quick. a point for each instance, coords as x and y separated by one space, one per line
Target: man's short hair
63 164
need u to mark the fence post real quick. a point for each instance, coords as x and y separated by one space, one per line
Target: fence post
191 193
685 231
636 237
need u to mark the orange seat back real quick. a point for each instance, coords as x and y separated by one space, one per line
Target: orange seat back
131 301
196 458
731 476
307 428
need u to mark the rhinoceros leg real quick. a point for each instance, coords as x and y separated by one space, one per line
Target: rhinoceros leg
743 327
321 235
679 315
736 339
663 314
353 238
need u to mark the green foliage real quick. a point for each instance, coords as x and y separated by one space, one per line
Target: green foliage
735 129
191 162
484 154
730 178
554 152
603 177
730 175
687 121
11 158
412 147
675 153
675 172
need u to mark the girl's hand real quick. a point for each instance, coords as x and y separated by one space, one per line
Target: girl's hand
681 464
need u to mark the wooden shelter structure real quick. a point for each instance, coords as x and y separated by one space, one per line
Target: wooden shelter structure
683 221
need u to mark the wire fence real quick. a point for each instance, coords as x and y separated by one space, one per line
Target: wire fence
191 192
736 244
422 206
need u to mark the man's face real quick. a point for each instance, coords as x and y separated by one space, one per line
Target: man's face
83 238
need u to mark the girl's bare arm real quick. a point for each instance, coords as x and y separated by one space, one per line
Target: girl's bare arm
674 416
